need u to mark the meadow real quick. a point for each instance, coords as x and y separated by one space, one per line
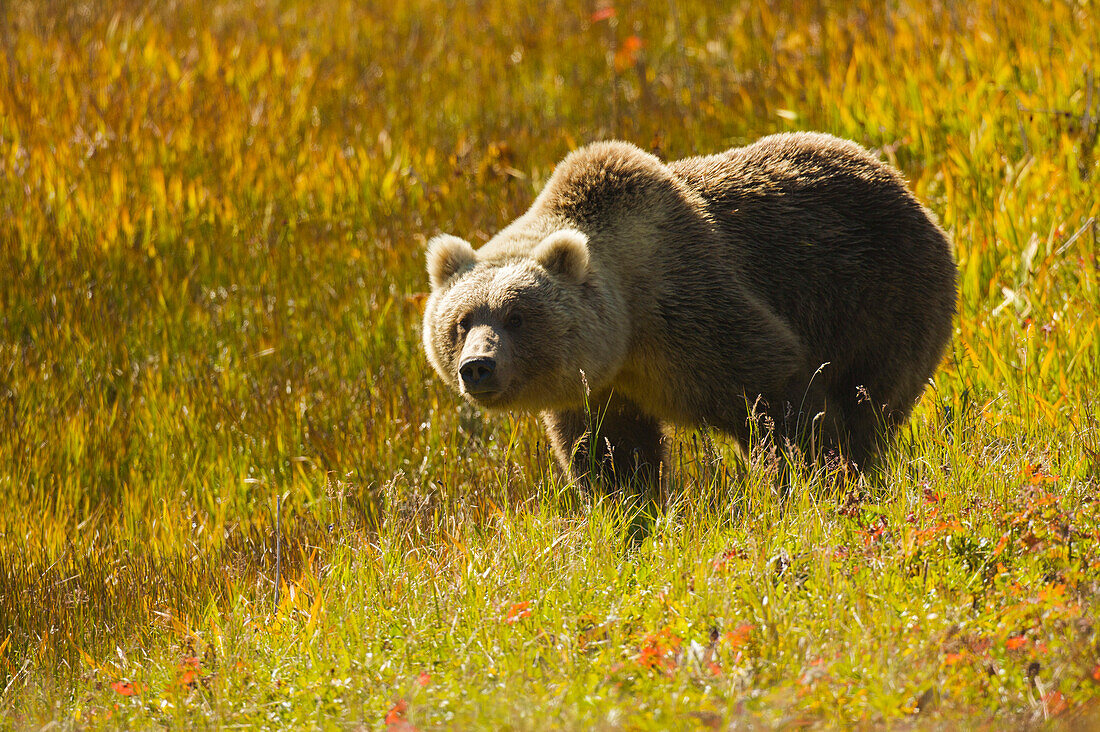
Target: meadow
235 494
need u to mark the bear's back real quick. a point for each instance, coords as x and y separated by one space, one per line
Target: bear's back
831 239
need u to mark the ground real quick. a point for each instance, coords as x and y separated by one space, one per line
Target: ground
212 221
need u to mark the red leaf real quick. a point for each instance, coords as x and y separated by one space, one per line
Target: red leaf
737 637
658 652
1055 703
423 678
722 562
396 715
125 688
627 55
1015 643
605 13
518 611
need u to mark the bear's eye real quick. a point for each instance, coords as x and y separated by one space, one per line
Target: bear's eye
515 320
464 324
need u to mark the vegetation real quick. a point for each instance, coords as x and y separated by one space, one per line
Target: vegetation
212 218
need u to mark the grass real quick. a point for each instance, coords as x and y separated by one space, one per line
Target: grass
212 219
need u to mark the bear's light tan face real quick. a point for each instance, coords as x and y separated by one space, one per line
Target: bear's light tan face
527 325
498 334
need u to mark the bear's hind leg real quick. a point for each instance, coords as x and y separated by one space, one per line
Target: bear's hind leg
613 442
870 421
835 425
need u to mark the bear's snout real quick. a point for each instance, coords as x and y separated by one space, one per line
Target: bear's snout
477 374
481 366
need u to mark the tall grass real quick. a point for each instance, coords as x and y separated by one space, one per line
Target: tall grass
212 218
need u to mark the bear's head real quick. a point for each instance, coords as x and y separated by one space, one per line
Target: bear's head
517 327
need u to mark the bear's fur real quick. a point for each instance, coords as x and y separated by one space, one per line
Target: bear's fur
793 289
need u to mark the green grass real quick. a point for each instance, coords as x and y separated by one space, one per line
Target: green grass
212 219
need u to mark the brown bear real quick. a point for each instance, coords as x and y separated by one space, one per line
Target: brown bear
792 290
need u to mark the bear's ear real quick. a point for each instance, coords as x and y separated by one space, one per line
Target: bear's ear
565 253
447 256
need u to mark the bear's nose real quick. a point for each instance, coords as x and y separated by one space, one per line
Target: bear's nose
475 372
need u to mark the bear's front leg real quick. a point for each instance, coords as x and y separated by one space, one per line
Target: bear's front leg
613 442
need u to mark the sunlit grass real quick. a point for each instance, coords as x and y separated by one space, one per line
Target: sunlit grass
212 218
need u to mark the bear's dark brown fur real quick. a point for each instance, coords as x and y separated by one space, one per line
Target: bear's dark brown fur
793 289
